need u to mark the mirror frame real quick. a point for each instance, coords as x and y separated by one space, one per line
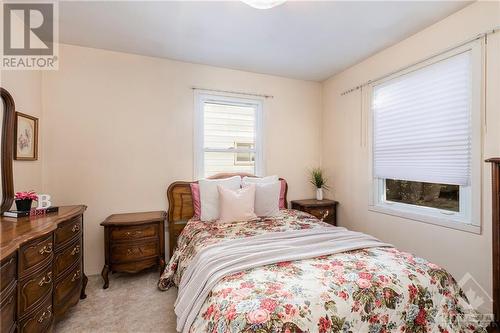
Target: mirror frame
7 150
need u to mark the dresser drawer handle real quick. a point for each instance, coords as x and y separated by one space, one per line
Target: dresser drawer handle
75 250
46 279
75 276
133 233
76 227
46 249
46 314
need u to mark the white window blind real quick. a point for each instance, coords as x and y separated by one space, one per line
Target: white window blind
422 124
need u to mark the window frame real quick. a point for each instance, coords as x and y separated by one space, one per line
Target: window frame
200 98
243 163
470 216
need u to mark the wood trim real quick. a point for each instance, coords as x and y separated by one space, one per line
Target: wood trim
35 146
7 150
495 181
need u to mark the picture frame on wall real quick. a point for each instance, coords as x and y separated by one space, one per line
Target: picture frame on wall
26 137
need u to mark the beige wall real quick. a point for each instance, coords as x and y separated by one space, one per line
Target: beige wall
24 86
346 159
121 130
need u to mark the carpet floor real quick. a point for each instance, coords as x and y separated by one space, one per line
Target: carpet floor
132 303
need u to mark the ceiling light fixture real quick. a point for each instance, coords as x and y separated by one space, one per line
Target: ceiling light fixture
263 4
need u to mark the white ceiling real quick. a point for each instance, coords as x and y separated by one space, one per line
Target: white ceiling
304 40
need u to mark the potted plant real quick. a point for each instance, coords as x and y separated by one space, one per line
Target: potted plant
319 181
24 200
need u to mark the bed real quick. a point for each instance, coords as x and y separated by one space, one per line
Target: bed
368 287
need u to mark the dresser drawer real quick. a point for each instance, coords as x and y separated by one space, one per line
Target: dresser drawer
66 257
133 251
8 272
33 288
8 311
67 230
39 320
69 284
135 232
35 253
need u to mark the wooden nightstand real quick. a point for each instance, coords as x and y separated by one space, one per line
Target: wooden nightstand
133 242
325 210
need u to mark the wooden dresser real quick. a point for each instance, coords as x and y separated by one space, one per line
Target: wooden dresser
133 242
41 269
325 210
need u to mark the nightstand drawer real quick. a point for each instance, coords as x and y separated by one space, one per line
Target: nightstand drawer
135 233
321 213
325 210
133 251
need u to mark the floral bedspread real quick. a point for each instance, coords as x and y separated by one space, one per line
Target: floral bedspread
372 290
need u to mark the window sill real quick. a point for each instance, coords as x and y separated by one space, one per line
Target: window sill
446 222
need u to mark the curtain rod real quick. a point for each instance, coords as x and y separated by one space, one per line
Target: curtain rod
484 34
233 92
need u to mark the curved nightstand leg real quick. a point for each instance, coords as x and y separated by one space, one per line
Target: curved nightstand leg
84 286
104 274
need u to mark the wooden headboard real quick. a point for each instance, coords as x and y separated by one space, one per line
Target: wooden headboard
180 205
180 202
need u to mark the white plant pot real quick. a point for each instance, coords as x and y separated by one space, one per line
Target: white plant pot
319 194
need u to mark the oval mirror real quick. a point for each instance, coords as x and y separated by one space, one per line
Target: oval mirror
7 149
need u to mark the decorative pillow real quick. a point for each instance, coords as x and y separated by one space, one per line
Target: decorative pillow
270 179
236 205
282 194
195 195
209 195
260 180
266 198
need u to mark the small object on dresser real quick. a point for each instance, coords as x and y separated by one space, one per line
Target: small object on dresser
325 210
32 212
24 200
133 242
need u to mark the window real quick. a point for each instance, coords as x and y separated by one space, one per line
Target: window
227 135
426 141
244 158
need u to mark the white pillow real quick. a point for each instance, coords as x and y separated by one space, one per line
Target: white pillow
209 195
236 205
267 198
260 180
